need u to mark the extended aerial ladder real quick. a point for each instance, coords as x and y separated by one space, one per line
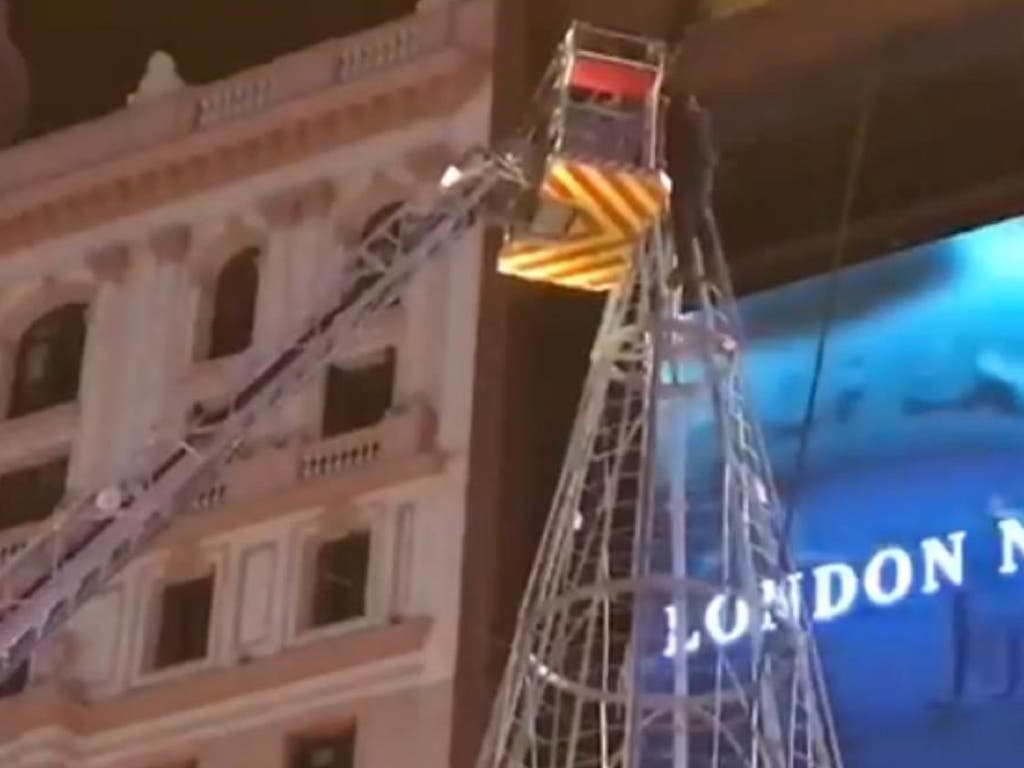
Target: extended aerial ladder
659 628
88 540
643 538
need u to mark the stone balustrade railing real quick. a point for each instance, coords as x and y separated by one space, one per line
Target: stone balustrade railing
235 99
382 48
404 434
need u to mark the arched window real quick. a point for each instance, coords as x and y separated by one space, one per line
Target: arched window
234 305
382 245
374 220
48 361
359 396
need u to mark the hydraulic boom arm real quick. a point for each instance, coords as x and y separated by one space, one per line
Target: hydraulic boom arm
89 540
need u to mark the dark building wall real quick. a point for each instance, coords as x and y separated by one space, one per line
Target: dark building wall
533 357
943 148
84 58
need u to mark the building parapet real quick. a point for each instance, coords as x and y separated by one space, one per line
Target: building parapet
403 434
56 704
269 470
191 110
195 138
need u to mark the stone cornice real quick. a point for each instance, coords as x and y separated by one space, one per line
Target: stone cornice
171 243
317 198
109 262
49 706
429 87
282 208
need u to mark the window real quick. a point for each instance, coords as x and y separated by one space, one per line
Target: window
358 397
383 247
30 494
374 221
16 683
234 305
48 361
339 579
337 751
184 622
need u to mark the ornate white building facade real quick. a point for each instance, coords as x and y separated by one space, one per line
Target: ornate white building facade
306 614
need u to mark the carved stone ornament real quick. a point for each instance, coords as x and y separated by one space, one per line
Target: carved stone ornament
109 262
161 77
282 209
171 243
318 197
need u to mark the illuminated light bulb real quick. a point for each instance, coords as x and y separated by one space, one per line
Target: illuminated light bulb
451 177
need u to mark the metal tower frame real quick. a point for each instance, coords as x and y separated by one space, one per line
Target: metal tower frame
645 538
659 533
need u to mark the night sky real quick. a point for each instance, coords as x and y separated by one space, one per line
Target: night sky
86 56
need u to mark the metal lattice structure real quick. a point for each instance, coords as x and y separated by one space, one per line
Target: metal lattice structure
658 628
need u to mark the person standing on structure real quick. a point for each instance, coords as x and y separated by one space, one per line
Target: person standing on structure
690 160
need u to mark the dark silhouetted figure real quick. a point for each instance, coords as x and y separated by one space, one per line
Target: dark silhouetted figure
690 161
993 607
960 644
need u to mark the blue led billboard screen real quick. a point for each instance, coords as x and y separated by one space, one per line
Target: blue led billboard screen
918 432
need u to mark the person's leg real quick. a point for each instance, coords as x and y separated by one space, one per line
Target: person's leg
682 235
690 161
1012 661
961 644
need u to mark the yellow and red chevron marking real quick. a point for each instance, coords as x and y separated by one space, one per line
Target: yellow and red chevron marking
615 207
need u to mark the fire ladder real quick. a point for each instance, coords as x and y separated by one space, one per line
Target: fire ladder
89 540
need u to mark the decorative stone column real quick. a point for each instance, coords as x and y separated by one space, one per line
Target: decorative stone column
109 263
314 279
56 663
291 286
316 271
170 246
171 243
155 293
103 368
282 212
